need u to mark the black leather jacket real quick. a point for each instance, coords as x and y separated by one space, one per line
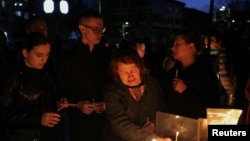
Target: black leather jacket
26 95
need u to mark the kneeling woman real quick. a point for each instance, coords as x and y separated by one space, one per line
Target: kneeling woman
132 99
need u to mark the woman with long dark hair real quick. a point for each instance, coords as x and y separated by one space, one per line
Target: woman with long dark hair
27 103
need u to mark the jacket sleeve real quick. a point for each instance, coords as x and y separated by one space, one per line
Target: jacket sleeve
9 112
203 89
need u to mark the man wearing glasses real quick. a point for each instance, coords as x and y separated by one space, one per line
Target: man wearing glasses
81 75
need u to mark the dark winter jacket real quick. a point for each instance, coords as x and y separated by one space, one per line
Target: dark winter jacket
81 76
201 93
26 95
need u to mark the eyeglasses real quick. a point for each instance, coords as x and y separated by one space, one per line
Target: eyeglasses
96 30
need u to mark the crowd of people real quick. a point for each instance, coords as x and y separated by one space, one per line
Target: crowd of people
92 92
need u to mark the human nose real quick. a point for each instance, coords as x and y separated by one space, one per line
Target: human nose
130 75
173 48
44 59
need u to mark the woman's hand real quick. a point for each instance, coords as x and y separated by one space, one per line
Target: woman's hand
86 107
99 107
63 103
50 119
149 127
179 85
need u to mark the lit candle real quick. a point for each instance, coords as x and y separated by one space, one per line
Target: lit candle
176 136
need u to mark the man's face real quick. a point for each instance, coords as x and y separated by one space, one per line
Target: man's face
92 30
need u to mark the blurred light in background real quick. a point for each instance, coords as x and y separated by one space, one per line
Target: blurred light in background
64 7
48 6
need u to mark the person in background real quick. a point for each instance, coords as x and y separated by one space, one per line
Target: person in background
81 76
141 49
220 62
237 56
227 79
27 101
132 99
140 46
190 86
36 24
214 42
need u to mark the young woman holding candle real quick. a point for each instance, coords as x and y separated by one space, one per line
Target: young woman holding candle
190 86
27 102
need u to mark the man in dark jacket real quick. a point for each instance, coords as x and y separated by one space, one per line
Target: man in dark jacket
81 75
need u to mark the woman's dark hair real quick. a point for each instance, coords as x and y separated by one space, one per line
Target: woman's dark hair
127 56
29 42
33 39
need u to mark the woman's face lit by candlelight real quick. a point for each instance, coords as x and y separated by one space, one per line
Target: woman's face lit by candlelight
129 74
36 57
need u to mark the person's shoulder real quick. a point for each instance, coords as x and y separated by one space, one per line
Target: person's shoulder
112 84
72 52
12 76
149 78
113 87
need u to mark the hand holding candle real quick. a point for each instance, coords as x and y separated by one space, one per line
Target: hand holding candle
149 126
63 103
86 107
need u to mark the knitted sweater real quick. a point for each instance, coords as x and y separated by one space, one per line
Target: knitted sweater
128 116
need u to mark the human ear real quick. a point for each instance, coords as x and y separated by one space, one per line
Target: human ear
25 53
81 28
